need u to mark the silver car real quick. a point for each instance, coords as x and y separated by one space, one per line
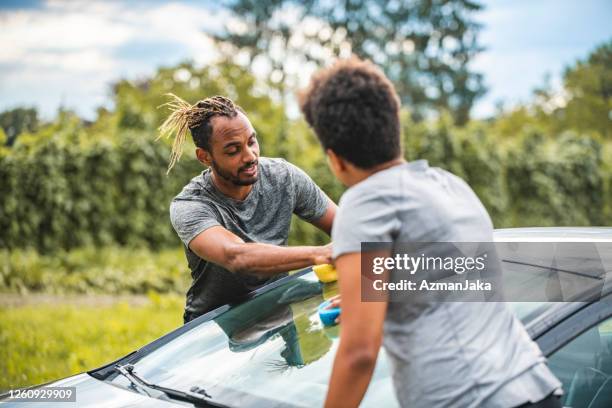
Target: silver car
271 350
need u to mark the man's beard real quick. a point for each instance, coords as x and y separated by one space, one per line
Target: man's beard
227 176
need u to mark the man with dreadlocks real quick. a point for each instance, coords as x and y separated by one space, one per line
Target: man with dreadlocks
234 217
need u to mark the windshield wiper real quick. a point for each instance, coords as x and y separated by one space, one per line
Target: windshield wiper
196 396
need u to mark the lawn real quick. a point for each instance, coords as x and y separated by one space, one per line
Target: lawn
48 341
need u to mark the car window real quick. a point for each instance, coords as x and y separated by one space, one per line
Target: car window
270 351
584 366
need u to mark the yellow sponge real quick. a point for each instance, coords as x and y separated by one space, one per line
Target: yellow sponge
326 273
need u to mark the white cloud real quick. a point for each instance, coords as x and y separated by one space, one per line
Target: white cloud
65 43
53 31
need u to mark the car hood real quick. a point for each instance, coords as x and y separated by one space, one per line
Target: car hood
91 392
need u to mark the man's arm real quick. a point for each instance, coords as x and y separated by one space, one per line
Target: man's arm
327 219
361 333
218 245
310 200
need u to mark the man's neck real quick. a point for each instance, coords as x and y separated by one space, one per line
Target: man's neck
230 189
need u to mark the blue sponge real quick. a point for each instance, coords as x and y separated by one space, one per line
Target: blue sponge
328 316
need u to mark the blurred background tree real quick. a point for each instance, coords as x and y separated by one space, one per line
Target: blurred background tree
16 121
71 183
423 46
589 88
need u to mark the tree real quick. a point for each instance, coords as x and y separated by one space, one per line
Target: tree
589 86
16 121
584 104
137 102
424 46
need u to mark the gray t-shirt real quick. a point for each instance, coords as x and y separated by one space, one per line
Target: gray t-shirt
263 216
464 354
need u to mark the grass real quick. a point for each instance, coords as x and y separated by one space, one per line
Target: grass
40 343
66 312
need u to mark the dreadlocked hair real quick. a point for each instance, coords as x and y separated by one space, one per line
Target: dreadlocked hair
196 119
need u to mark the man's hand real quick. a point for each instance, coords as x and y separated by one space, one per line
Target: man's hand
323 255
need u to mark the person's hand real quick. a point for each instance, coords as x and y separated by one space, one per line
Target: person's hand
334 302
323 255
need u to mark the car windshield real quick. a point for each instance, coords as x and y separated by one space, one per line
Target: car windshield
270 351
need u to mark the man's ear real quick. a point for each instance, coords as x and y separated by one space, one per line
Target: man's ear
204 156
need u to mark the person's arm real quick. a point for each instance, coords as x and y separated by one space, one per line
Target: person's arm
326 221
361 333
311 203
220 246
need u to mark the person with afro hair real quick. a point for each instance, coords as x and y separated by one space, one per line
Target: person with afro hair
443 353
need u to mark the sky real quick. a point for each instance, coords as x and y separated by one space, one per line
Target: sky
67 53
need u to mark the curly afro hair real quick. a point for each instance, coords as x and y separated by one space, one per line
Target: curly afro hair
354 110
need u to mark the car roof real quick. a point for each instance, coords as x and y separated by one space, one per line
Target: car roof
554 234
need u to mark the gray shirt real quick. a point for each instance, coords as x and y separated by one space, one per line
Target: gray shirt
263 216
464 354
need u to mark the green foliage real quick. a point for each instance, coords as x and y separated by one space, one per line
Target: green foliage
530 180
559 183
56 194
137 102
607 182
41 343
70 185
583 105
4 150
16 121
589 84
109 270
